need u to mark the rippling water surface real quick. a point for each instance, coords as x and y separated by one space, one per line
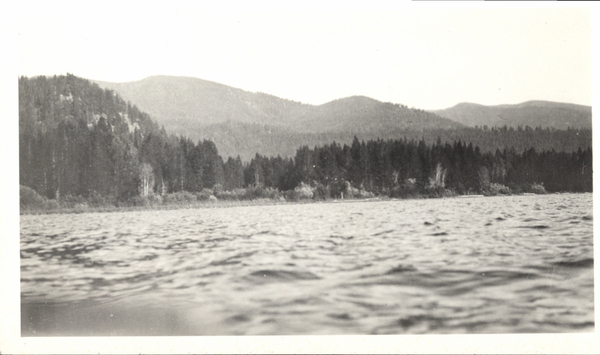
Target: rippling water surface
459 265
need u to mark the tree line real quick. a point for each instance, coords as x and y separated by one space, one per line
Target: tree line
77 139
247 139
389 167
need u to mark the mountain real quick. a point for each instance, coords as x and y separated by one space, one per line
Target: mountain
184 103
531 113
180 102
244 123
362 114
76 139
81 145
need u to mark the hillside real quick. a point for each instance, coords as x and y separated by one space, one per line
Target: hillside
186 105
245 140
180 103
78 139
365 115
530 113
245 123
81 145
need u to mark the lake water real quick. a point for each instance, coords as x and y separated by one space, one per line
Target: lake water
459 265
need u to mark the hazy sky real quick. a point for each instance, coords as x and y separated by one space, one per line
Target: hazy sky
420 56
425 58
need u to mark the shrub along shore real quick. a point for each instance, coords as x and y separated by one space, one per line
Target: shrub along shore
33 203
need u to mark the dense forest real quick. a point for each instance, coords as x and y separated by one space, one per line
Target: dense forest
82 144
233 139
395 167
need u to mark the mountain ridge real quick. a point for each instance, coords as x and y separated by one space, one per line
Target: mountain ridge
82 146
531 113
198 102
179 98
244 123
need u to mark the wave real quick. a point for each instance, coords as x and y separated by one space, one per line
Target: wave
283 275
583 263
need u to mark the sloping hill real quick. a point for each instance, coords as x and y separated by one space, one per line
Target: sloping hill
76 139
185 105
81 145
245 123
183 102
530 113
362 114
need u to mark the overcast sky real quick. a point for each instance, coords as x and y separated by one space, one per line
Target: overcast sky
420 56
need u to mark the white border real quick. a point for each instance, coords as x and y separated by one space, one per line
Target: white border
11 342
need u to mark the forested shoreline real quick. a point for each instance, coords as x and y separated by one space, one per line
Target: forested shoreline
80 145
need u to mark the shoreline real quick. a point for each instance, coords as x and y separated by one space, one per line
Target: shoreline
197 205
239 203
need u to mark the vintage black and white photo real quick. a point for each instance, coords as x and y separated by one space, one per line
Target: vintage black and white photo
195 171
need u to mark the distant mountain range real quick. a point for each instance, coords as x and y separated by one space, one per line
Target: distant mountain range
181 103
530 113
244 123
